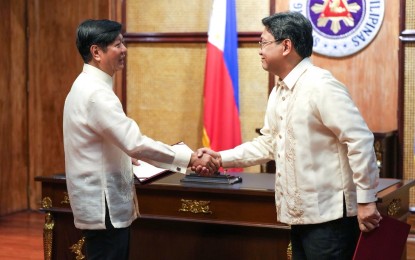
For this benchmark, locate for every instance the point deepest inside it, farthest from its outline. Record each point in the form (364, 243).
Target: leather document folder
(385, 242)
(218, 178)
(147, 173)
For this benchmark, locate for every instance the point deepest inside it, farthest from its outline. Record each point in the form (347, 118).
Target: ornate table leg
(48, 229)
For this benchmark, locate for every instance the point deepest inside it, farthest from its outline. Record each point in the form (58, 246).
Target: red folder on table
(385, 242)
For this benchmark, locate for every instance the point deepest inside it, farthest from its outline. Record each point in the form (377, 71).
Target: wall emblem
(341, 27)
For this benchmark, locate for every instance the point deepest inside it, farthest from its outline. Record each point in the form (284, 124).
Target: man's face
(113, 59)
(270, 52)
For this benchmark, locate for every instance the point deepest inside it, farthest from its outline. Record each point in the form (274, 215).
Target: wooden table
(198, 221)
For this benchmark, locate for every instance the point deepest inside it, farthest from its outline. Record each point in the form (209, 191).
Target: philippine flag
(222, 128)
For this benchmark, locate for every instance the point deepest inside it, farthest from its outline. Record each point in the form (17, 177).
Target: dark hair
(293, 26)
(95, 32)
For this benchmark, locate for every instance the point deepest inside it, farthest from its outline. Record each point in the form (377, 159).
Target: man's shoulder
(317, 72)
(318, 76)
(86, 85)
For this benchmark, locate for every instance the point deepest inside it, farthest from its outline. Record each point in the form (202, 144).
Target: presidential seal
(341, 27)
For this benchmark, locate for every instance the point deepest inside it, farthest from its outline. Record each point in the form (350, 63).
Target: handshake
(205, 161)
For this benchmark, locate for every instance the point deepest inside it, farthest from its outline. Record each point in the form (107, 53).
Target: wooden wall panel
(409, 116)
(13, 108)
(164, 93)
(188, 15)
(407, 105)
(163, 16)
(54, 63)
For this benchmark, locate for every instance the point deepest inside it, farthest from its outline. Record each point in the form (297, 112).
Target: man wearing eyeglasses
(326, 171)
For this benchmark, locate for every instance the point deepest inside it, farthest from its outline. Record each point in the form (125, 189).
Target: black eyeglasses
(265, 43)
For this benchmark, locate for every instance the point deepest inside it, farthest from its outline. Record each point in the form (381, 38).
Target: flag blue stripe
(230, 50)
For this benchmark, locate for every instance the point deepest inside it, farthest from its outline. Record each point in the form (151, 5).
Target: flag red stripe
(221, 117)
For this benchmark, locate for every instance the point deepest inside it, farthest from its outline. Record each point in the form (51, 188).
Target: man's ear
(95, 51)
(287, 46)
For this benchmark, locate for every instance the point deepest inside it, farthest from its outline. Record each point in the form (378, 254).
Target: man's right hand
(203, 152)
(204, 163)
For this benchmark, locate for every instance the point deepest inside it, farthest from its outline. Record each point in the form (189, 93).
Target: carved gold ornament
(77, 249)
(65, 198)
(48, 235)
(289, 251)
(394, 207)
(46, 203)
(195, 206)
(378, 152)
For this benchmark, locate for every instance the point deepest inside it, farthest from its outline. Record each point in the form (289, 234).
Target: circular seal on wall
(341, 27)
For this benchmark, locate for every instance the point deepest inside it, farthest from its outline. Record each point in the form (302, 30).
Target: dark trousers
(107, 244)
(333, 240)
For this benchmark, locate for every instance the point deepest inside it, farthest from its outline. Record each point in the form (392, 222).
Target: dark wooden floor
(21, 236)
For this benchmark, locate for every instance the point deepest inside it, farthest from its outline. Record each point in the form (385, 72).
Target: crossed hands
(205, 162)
(368, 216)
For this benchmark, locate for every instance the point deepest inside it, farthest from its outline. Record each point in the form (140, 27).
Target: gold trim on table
(195, 206)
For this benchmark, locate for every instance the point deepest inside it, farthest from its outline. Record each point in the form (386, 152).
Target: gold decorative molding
(195, 206)
(46, 203)
(378, 151)
(48, 235)
(77, 249)
(65, 198)
(289, 251)
(394, 207)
